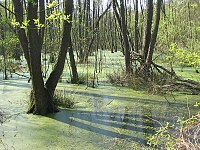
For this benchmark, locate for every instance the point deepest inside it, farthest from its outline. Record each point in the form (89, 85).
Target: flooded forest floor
(105, 117)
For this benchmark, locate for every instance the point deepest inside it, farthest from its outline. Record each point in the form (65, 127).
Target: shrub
(122, 79)
(63, 99)
(153, 85)
(84, 78)
(183, 135)
(184, 57)
(88, 79)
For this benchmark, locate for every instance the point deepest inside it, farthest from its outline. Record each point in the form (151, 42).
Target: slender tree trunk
(73, 64)
(18, 8)
(4, 63)
(65, 44)
(115, 33)
(144, 70)
(5, 76)
(87, 27)
(154, 34)
(81, 53)
(123, 26)
(136, 28)
(148, 30)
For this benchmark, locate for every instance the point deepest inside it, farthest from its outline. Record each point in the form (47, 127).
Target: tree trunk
(74, 78)
(42, 20)
(65, 44)
(87, 27)
(41, 100)
(144, 70)
(148, 30)
(136, 27)
(18, 8)
(5, 76)
(123, 26)
(81, 53)
(154, 34)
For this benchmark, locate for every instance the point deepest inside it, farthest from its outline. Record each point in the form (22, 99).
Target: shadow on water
(93, 121)
(12, 83)
(122, 98)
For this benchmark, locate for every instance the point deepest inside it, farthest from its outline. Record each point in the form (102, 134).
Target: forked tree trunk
(150, 39)
(41, 100)
(41, 94)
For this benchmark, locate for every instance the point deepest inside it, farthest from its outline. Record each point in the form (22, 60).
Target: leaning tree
(31, 41)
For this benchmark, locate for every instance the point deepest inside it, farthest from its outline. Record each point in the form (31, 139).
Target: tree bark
(80, 16)
(148, 30)
(74, 78)
(42, 19)
(123, 26)
(65, 44)
(18, 8)
(136, 28)
(154, 34)
(144, 69)
(41, 100)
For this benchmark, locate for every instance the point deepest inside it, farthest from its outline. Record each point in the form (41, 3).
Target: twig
(21, 75)
(96, 26)
(7, 9)
(155, 121)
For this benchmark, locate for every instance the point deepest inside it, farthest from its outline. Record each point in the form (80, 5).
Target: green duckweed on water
(105, 117)
(123, 75)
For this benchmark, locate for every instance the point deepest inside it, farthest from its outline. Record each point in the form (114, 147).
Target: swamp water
(105, 117)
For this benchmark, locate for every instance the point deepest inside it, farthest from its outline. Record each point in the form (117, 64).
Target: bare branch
(7, 9)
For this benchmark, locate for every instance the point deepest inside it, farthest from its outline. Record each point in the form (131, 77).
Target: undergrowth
(120, 144)
(88, 79)
(157, 84)
(83, 78)
(185, 134)
(63, 99)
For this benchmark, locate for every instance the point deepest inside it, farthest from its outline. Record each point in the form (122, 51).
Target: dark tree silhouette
(42, 93)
